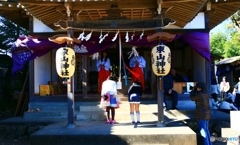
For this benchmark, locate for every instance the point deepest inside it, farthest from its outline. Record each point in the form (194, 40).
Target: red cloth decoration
(137, 74)
(102, 76)
(138, 70)
(132, 72)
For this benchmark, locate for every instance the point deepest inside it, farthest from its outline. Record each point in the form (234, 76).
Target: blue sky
(221, 27)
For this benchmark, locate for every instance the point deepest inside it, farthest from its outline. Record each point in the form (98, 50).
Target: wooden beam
(182, 31)
(99, 14)
(6, 8)
(89, 15)
(43, 14)
(222, 2)
(115, 24)
(42, 3)
(131, 14)
(41, 11)
(33, 8)
(143, 12)
(179, 1)
(9, 6)
(103, 5)
(46, 35)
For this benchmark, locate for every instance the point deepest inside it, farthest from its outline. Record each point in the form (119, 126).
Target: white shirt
(224, 86)
(109, 86)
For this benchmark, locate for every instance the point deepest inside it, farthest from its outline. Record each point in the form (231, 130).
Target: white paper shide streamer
(115, 37)
(141, 35)
(88, 36)
(95, 56)
(81, 36)
(132, 36)
(127, 37)
(103, 37)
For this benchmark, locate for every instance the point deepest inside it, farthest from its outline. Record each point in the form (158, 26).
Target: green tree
(226, 43)
(236, 21)
(217, 42)
(9, 33)
(232, 46)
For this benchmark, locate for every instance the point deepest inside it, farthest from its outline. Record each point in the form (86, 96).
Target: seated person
(176, 77)
(230, 97)
(168, 90)
(226, 106)
(224, 88)
(215, 89)
(236, 93)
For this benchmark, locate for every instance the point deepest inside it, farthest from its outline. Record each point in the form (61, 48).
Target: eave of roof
(228, 60)
(183, 11)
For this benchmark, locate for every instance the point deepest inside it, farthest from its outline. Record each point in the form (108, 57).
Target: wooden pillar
(84, 75)
(160, 87)
(153, 84)
(70, 81)
(207, 63)
(31, 64)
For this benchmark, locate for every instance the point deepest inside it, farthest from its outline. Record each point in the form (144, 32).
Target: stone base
(92, 133)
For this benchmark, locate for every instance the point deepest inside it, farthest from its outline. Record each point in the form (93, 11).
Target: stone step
(58, 106)
(46, 114)
(94, 106)
(88, 116)
(123, 107)
(100, 115)
(125, 115)
(47, 106)
(59, 109)
(122, 133)
(119, 116)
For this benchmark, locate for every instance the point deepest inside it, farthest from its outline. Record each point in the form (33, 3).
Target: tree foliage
(217, 42)
(227, 43)
(236, 20)
(232, 46)
(9, 33)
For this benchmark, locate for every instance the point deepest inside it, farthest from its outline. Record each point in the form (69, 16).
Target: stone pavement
(97, 132)
(122, 133)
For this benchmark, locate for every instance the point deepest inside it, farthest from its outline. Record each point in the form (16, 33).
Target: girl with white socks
(134, 94)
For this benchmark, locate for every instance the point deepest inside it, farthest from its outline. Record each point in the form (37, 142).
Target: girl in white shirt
(109, 92)
(224, 88)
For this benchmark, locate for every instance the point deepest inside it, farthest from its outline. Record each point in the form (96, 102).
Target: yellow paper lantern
(65, 62)
(161, 60)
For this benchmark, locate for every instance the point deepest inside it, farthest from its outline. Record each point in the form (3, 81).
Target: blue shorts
(134, 98)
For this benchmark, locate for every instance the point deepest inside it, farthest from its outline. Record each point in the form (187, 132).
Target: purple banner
(27, 48)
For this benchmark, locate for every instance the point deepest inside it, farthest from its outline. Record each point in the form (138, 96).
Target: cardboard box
(44, 90)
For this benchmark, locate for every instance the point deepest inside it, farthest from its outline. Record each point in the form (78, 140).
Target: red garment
(138, 70)
(102, 76)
